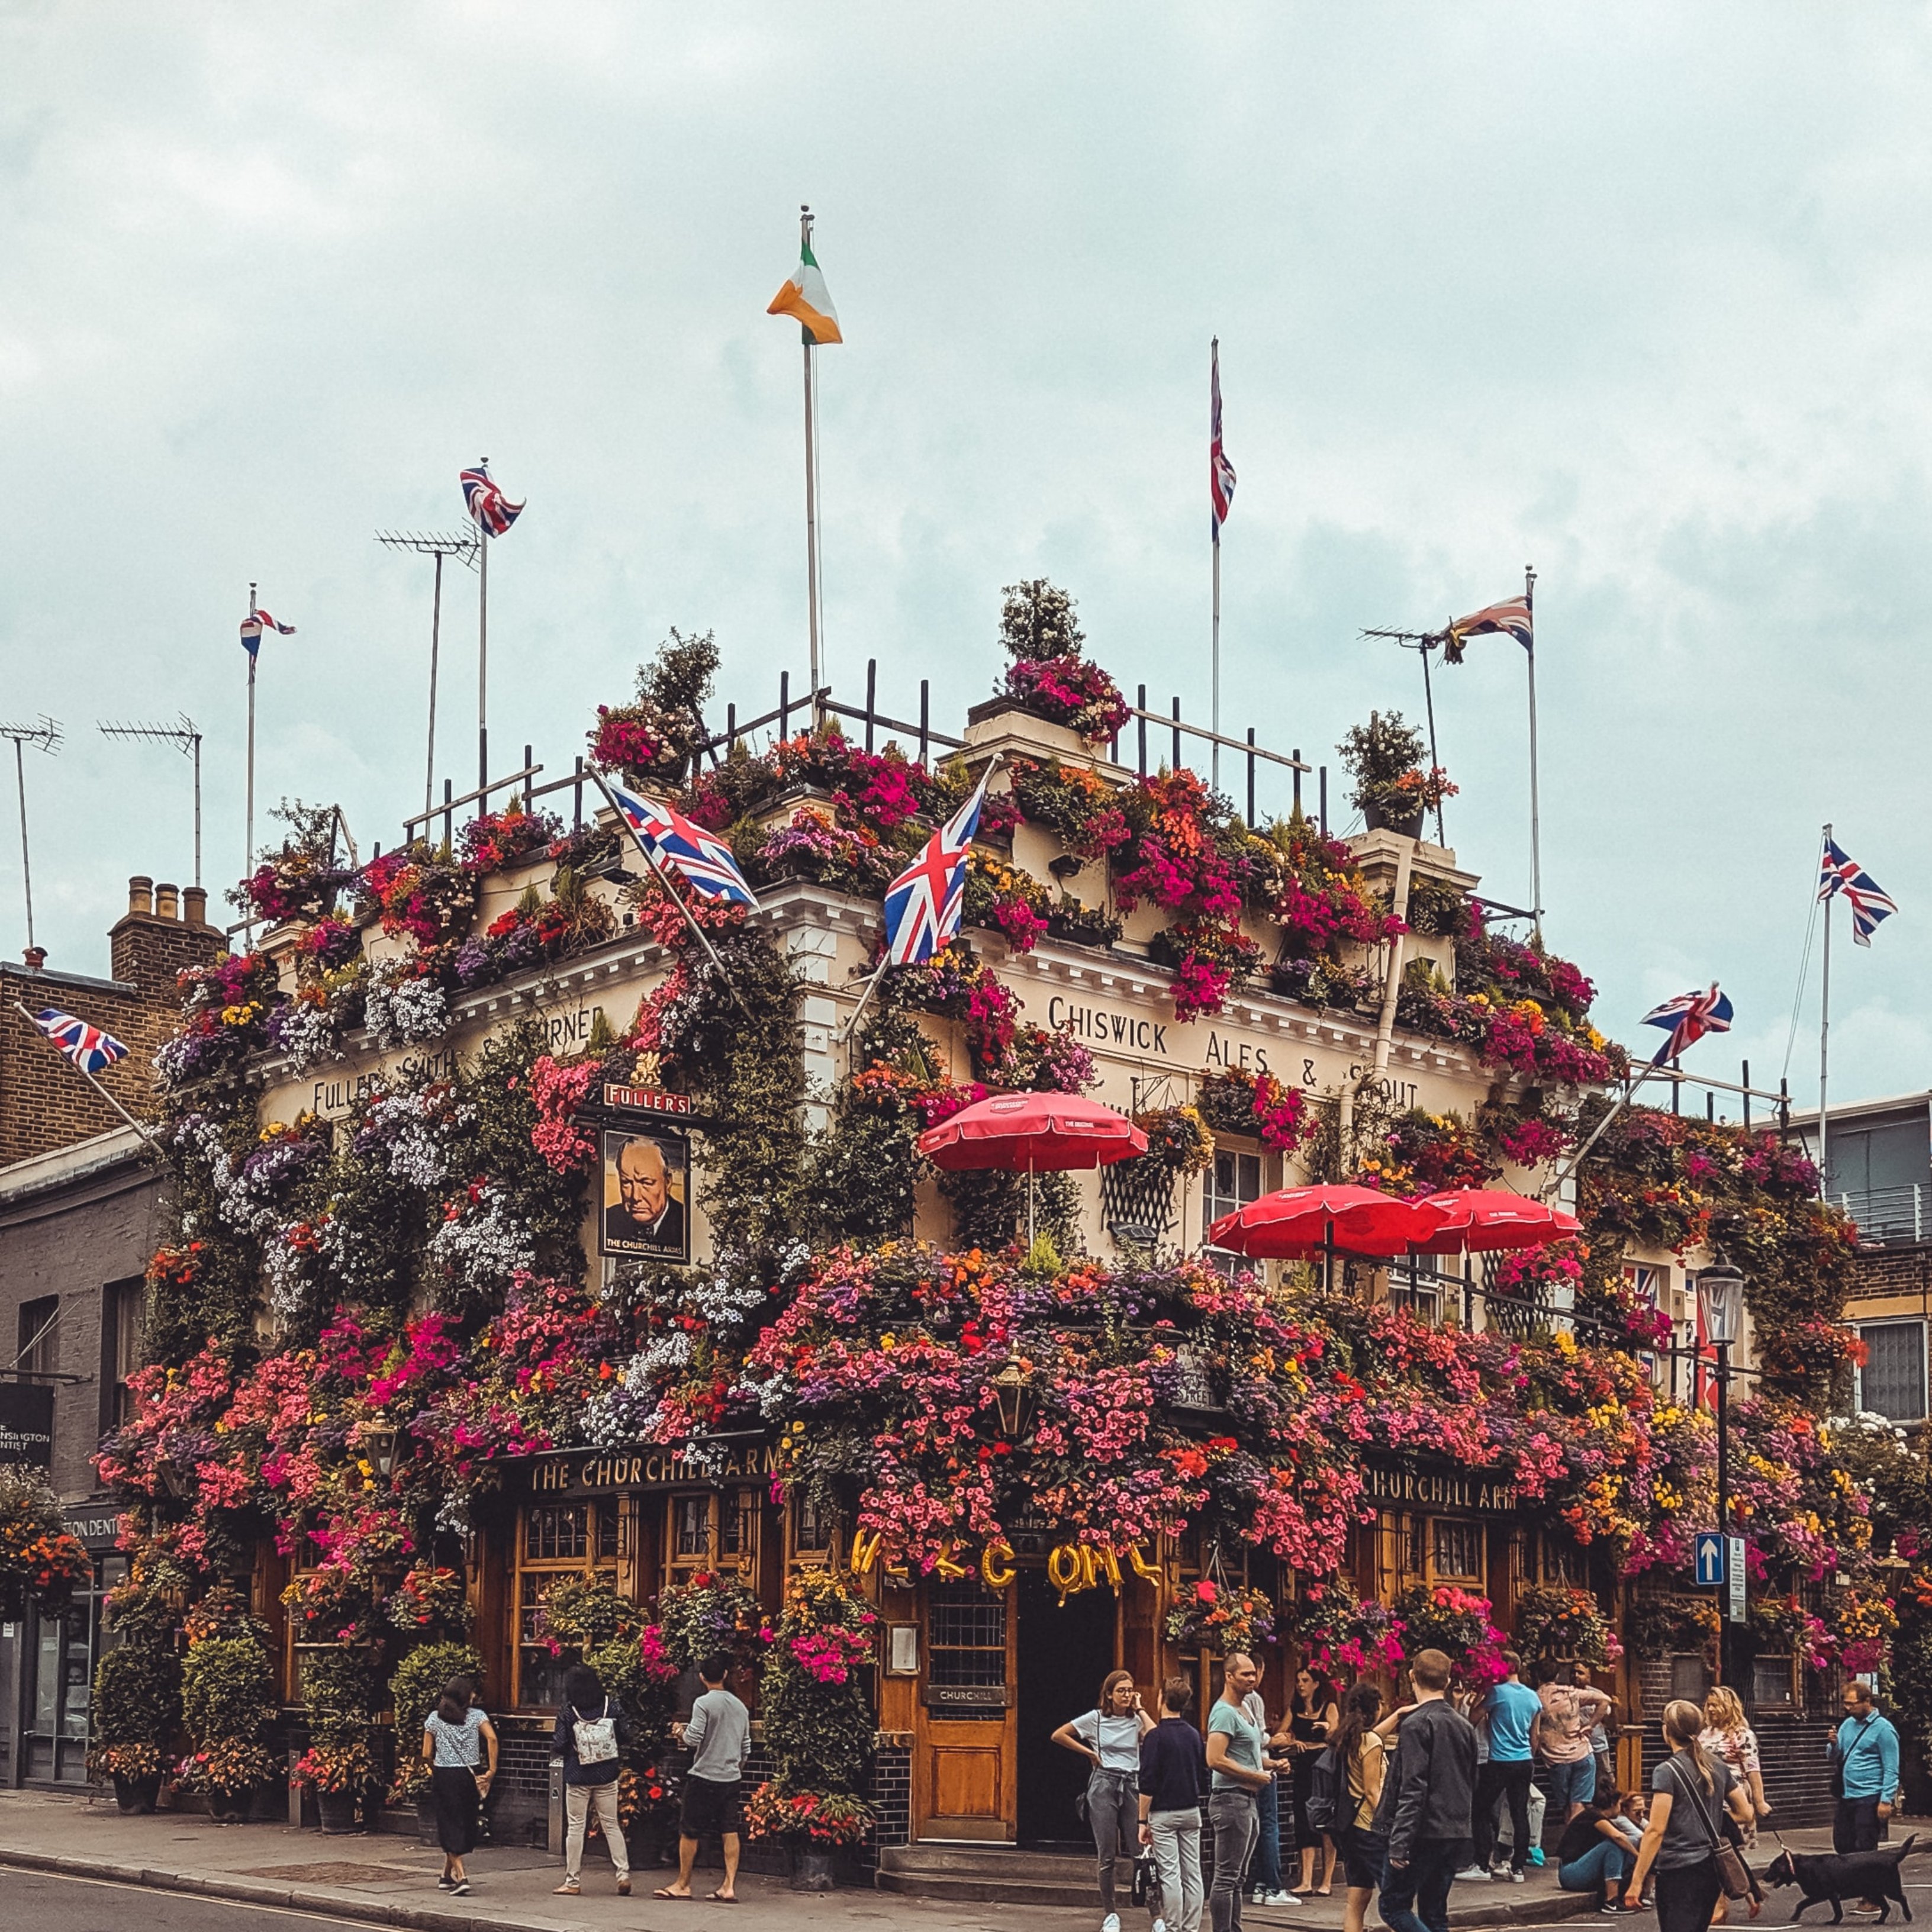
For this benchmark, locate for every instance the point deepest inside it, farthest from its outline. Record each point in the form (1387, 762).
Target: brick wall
(1892, 1271)
(44, 1103)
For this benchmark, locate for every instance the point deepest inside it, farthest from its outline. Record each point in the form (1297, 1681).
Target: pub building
(975, 1670)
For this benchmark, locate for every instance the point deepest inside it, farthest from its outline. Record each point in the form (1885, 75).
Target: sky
(1636, 296)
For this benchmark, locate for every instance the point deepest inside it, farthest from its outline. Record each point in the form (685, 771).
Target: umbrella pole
(1029, 1206)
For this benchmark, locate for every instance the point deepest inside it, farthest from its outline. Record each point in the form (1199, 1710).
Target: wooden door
(963, 1782)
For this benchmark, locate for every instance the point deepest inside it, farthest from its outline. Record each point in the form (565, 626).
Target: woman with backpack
(1361, 1761)
(1690, 1791)
(460, 1747)
(593, 1739)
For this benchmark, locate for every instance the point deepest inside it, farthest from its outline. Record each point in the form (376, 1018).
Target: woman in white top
(1110, 1736)
(460, 1747)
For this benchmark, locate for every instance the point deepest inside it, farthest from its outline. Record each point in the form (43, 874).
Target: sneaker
(1609, 1908)
(445, 1883)
(1160, 1925)
(1278, 1898)
(1473, 1872)
(1111, 1923)
(460, 1889)
(1536, 1854)
(570, 1888)
(1516, 1876)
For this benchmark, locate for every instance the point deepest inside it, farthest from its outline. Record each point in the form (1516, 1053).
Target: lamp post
(1720, 1301)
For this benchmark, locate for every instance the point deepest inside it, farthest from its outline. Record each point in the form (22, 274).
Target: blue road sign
(1709, 1559)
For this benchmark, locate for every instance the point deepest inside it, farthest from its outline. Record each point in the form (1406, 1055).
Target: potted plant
(415, 1686)
(1221, 1617)
(1393, 788)
(136, 1707)
(1048, 675)
(1441, 1617)
(813, 1826)
(1553, 1620)
(338, 1766)
(40, 1562)
(226, 1691)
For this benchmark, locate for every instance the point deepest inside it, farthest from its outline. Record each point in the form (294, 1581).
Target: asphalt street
(47, 1902)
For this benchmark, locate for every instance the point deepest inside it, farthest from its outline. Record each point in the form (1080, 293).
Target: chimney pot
(194, 904)
(166, 904)
(140, 893)
(36, 957)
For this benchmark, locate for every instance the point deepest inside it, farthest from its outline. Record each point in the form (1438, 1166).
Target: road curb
(273, 1897)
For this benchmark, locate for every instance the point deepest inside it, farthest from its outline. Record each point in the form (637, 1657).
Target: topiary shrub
(137, 1708)
(227, 1691)
(415, 1685)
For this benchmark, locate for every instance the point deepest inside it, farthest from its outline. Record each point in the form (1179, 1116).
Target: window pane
(35, 1347)
(690, 1517)
(1458, 1548)
(965, 1634)
(1892, 1382)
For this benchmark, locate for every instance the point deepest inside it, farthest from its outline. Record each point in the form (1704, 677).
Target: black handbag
(1147, 1885)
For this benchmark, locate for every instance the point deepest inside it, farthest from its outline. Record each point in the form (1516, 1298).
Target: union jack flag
(1688, 1017)
(1512, 618)
(257, 621)
(1839, 873)
(670, 838)
(1220, 471)
(487, 504)
(923, 903)
(90, 1049)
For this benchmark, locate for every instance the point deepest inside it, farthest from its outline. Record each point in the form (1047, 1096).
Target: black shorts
(710, 1809)
(1364, 1858)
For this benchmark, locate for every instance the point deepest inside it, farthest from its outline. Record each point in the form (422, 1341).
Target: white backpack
(596, 1738)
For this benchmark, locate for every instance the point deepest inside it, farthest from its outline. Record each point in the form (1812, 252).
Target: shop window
(812, 1529)
(558, 1540)
(35, 1350)
(1233, 1181)
(1419, 1290)
(1458, 1549)
(1892, 1381)
(1561, 1562)
(709, 1529)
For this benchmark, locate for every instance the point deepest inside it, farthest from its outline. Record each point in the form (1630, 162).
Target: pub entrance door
(962, 1780)
(1065, 1649)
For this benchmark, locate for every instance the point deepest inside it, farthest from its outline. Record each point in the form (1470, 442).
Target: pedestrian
(1689, 1792)
(1428, 1801)
(1263, 1881)
(1173, 1775)
(1563, 1737)
(1600, 1732)
(718, 1735)
(460, 1747)
(1361, 1763)
(1241, 1770)
(1513, 1710)
(1595, 1853)
(1312, 1719)
(1728, 1734)
(1109, 1737)
(592, 1737)
(1863, 1749)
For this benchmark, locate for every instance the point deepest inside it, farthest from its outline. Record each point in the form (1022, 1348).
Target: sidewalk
(392, 1881)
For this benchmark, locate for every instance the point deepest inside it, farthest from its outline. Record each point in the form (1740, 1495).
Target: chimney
(194, 905)
(36, 957)
(140, 893)
(166, 906)
(152, 940)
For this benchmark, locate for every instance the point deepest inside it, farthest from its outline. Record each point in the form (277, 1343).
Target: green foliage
(680, 677)
(137, 1696)
(647, 1700)
(817, 1719)
(214, 1293)
(1037, 622)
(710, 1613)
(585, 1613)
(338, 1680)
(866, 1169)
(1379, 752)
(989, 1208)
(227, 1691)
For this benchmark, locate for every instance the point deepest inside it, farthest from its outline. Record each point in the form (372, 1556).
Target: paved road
(47, 1902)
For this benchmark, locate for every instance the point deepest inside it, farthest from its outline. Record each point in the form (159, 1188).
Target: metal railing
(1886, 1215)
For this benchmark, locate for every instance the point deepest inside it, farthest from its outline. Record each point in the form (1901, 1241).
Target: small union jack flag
(670, 838)
(1688, 1017)
(923, 903)
(90, 1049)
(257, 621)
(1220, 471)
(1512, 618)
(489, 508)
(1839, 873)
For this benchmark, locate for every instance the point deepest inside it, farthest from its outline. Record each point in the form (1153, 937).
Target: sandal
(681, 1898)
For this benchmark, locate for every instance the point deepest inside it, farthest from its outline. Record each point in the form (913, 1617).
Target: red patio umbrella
(1027, 1133)
(1484, 1220)
(1295, 1222)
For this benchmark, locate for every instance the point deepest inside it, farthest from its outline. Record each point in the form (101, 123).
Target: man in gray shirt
(718, 1735)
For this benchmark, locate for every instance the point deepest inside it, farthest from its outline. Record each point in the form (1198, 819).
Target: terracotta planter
(137, 1794)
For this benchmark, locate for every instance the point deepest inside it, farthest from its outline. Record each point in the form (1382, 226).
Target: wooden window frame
(594, 1560)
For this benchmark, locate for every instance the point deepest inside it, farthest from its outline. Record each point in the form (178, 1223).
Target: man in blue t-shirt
(1511, 1709)
(1864, 1748)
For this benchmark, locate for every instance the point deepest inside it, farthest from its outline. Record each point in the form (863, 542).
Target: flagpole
(145, 1133)
(483, 662)
(1214, 353)
(1825, 1044)
(1535, 822)
(810, 483)
(248, 849)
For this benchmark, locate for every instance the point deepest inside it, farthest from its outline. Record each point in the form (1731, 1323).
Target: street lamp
(1721, 1301)
(1013, 1396)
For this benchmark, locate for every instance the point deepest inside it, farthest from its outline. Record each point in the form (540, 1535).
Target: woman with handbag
(460, 1747)
(593, 1739)
(1109, 1736)
(1690, 1790)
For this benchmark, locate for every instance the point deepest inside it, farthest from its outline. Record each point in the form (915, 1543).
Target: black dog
(1823, 1875)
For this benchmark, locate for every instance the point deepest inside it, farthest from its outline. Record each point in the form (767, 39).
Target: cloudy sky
(1636, 295)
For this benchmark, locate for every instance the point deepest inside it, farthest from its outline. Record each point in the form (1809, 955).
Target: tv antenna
(1422, 642)
(465, 546)
(185, 735)
(45, 737)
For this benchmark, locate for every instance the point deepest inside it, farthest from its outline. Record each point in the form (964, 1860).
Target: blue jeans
(1415, 1896)
(1573, 1784)
(1264, 1868)
(1603, 1863)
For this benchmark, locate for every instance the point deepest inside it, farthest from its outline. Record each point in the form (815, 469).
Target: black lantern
(1012, 1392)
(380, 1442)
(1720, 1298)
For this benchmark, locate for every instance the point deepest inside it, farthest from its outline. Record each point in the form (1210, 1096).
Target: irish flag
(806, 297)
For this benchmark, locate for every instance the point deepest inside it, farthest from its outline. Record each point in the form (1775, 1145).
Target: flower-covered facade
(536, 1234)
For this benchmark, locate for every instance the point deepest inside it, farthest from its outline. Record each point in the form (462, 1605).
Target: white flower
(485, 1244)
(400, 1011)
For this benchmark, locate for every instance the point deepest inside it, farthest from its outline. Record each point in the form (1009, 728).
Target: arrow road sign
(1709, 1560)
